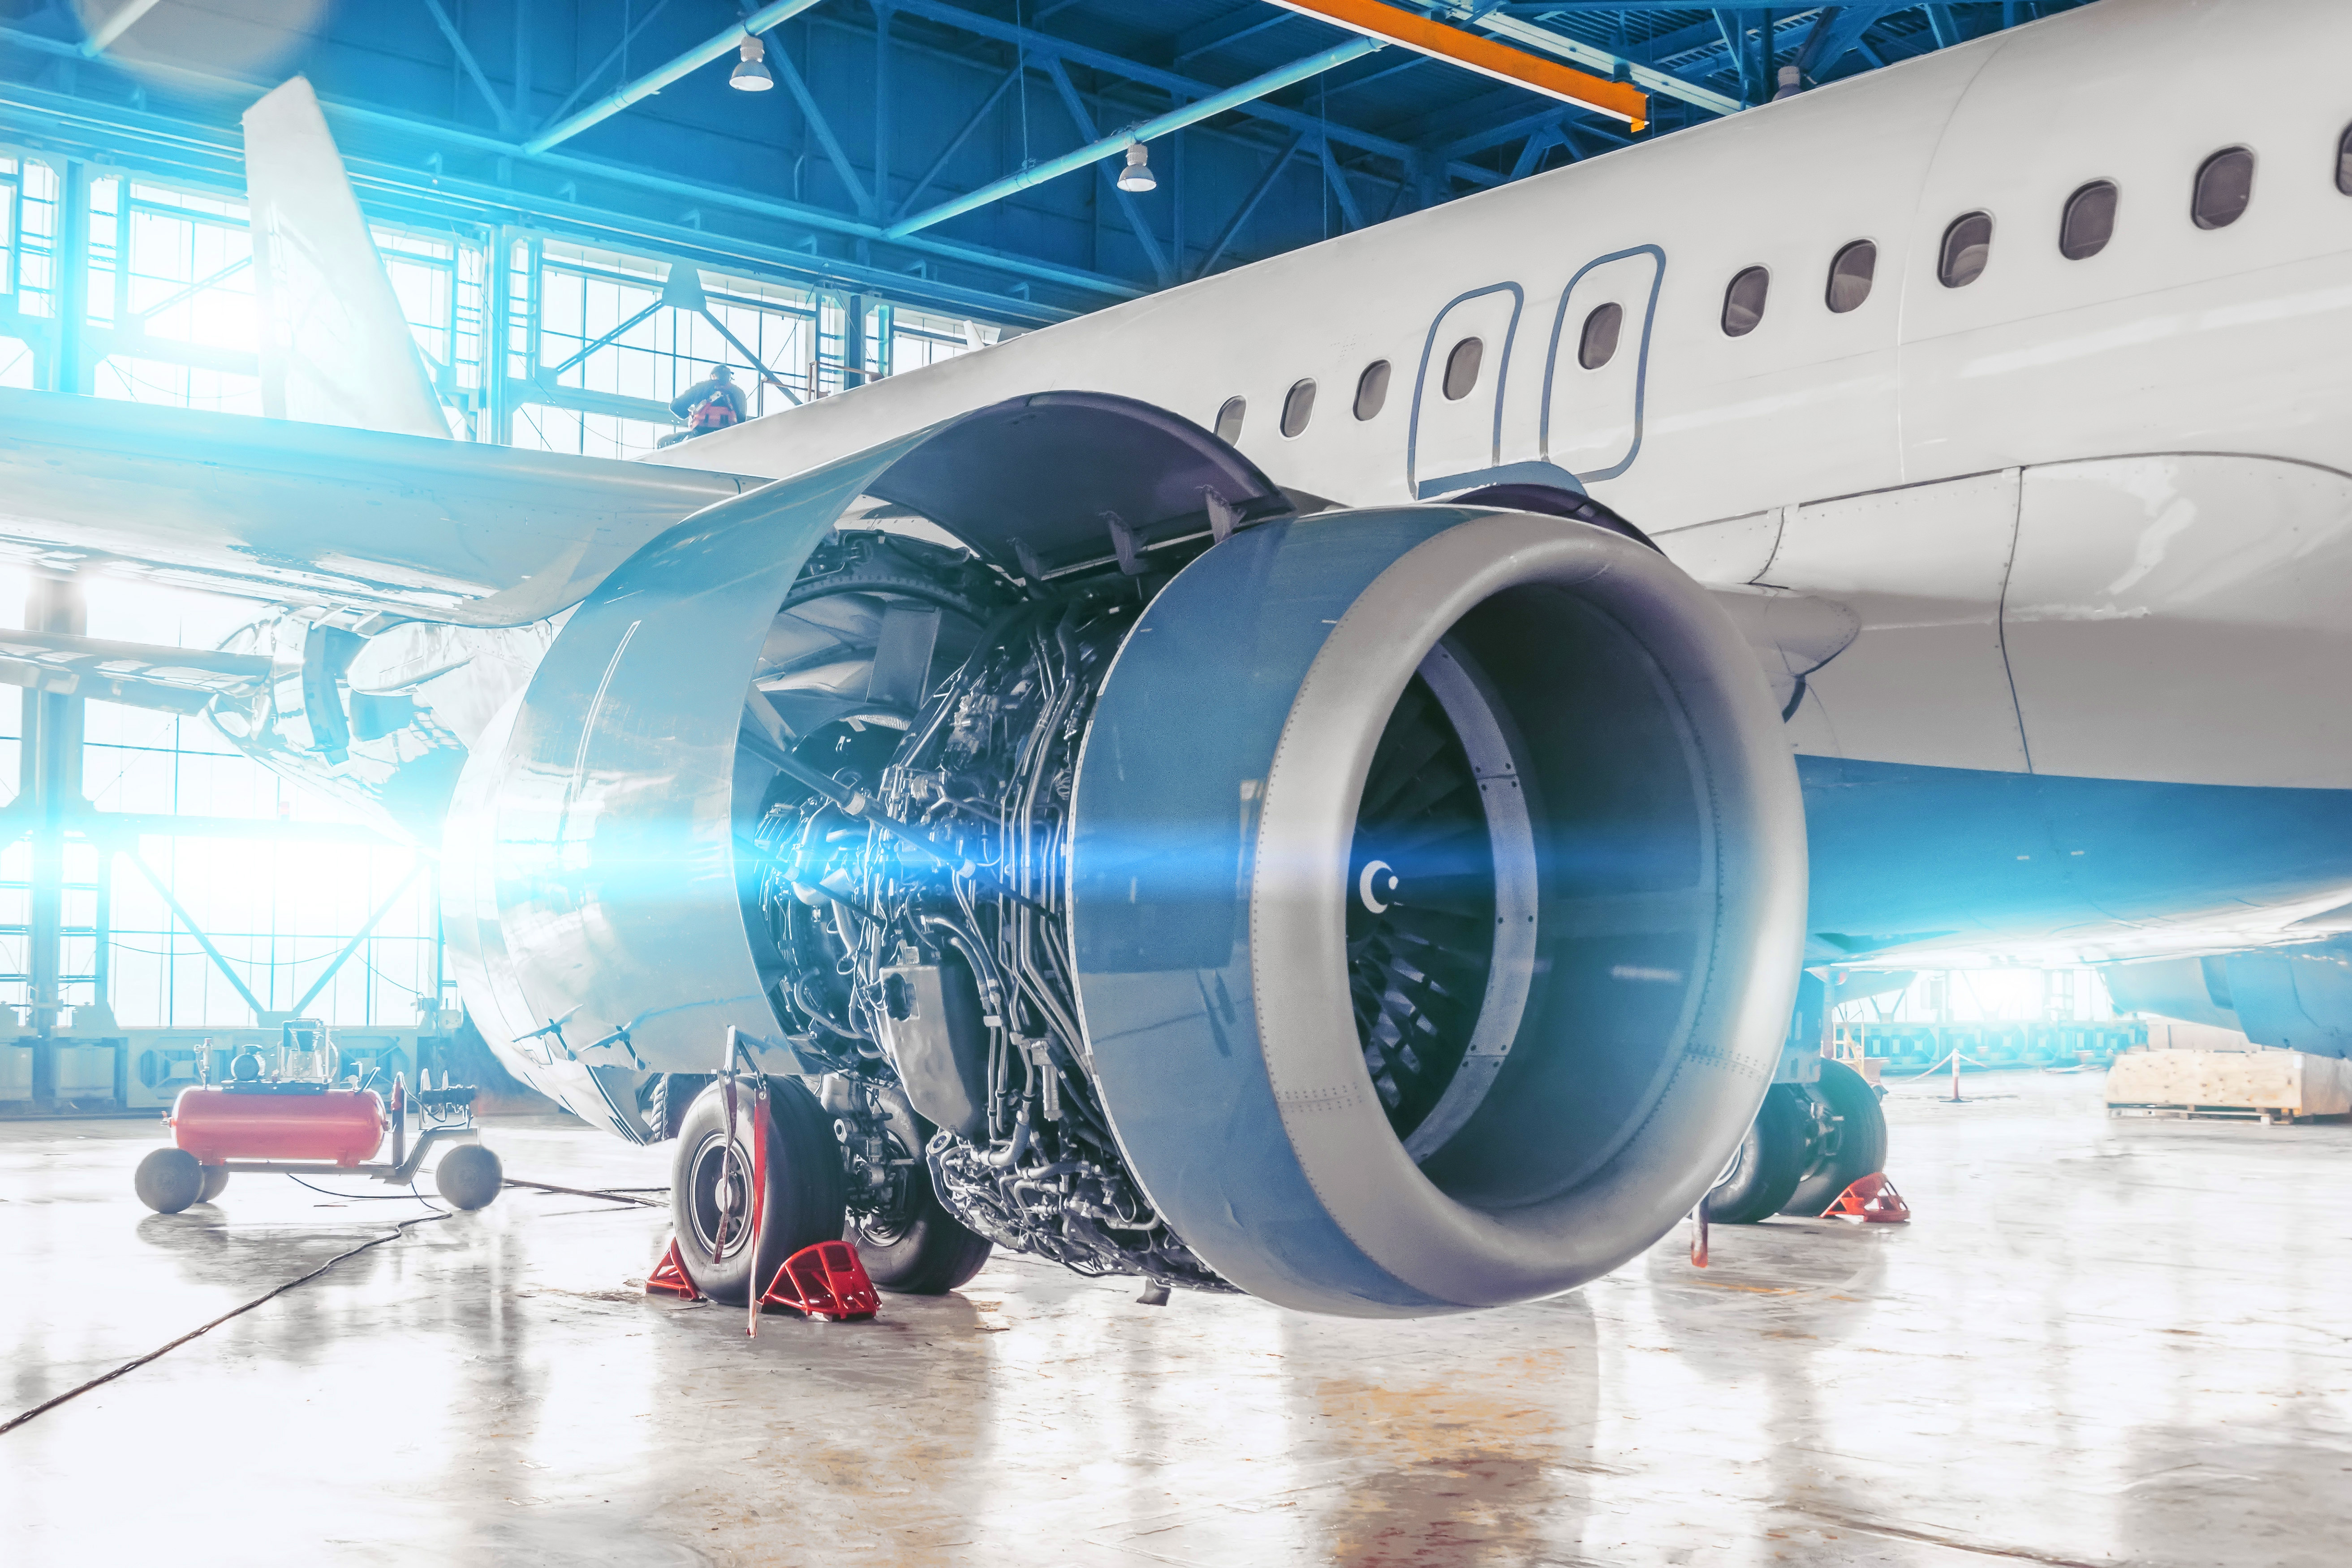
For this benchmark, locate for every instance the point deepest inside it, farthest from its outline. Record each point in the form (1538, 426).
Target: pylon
(669, 1276)
(1870, 1200)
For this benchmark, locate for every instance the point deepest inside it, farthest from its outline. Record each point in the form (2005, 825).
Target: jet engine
(1383, 912)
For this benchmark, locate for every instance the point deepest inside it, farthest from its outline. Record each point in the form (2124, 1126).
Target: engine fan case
(1210, 878)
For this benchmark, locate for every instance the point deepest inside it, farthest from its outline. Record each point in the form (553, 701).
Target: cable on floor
(395, 1234)
(611, 1194)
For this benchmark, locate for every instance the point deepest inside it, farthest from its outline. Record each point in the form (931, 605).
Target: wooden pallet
(2266, 1085)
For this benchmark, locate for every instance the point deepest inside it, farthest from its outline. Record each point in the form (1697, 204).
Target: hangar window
(1372, 389)
(1968, 245)
(1598, 346)
(2089, 221)
(1298, 408)
(1229, 418)
(1850, 272)
(2225, 184)
(1461, 368)
(1743, 302)
(2343, 162)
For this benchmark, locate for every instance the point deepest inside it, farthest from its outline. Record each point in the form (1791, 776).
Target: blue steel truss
(928, 154)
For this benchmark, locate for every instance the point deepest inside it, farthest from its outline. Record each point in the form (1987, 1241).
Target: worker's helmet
(724, 372)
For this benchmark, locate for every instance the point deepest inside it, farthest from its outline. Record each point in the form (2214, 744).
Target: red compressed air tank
(342, 1126)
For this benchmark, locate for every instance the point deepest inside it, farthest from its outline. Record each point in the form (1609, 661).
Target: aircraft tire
(1861, 1140)
(930, 1256)
(168, 1180)
(215, 1182)
(805, 1187)
(1769, 1163)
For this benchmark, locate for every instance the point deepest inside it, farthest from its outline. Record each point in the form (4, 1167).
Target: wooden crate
(2263, 1085)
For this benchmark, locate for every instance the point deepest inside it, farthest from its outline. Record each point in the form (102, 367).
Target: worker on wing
(711, 404)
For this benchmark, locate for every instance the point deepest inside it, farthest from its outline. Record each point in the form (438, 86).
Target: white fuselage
(2093, 516)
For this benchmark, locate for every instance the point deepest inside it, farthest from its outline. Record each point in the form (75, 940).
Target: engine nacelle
(1381, 912)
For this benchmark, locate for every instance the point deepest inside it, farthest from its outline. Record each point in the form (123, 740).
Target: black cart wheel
(468, 1177)
(215, 1182)
(928, 1254)
(168, 1180)
(710, 1187)
(1770, 1162)
(1860, 1147)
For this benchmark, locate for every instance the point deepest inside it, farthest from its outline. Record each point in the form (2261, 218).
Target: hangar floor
(2099, 1342)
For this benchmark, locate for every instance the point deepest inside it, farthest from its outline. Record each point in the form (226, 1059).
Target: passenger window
(1598, 346)
(1229, 419)
(2343, 162)
(1372, 389)
(1968, 245)
(2089, 221)
(1461, 368)
(1743, 302)
(1298, 408)
(2225, 184)
(1851, 271)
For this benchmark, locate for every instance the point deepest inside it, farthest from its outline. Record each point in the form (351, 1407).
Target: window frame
(1869, 284)
(2197, 185)
(2066, 216)
(1374, 390)
(1730, 291)
(1944, 268)
(1303, 387)
(1476, 348)
(1584, 335)
(1237, 406)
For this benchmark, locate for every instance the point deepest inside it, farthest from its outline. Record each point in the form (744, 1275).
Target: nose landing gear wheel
(710, 1188)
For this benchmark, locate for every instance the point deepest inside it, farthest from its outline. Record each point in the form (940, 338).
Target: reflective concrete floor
(2099, 1342)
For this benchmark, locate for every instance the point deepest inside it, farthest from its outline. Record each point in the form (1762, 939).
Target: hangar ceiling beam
(1120, 142)
(713, 47)
(1040, 45)
(125, 17)
(1136, 222)
(1410, 29)
(471, 67)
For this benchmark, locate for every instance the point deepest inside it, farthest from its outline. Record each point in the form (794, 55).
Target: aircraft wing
(418, 527)
(178, 679)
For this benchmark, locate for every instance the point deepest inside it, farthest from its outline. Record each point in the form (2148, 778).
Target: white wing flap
(307, 514)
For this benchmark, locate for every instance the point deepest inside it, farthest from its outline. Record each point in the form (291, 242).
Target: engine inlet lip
(1371, 1187)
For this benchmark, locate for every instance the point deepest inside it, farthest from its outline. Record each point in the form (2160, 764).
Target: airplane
(1341, 781)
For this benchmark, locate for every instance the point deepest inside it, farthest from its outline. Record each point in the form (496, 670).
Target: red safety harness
(713, 413)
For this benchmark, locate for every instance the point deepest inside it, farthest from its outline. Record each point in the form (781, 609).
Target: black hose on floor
(395, 1234)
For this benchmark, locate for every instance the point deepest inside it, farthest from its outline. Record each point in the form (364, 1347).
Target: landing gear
(710, 1187)
(1809, 1142)
(928, 1254)
(1769, 1163)
(1849, 1140)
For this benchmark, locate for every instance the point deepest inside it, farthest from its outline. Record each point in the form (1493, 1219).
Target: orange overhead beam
(1414, 31)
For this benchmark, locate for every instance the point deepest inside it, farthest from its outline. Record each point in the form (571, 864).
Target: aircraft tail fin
(335, 348)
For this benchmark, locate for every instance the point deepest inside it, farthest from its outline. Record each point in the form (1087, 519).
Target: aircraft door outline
(1480, 470)
(1640, 363)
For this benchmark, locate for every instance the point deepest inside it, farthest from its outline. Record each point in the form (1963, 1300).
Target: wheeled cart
(291, 1120)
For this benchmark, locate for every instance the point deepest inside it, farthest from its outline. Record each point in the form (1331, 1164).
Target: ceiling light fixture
(1136, 175)
(752, 73)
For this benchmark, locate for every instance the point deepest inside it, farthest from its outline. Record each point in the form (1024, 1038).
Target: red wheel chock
(669, 1276)
(1871, 1200)
(825, 1281)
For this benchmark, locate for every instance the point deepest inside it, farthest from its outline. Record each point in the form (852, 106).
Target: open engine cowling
(1383, 912)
